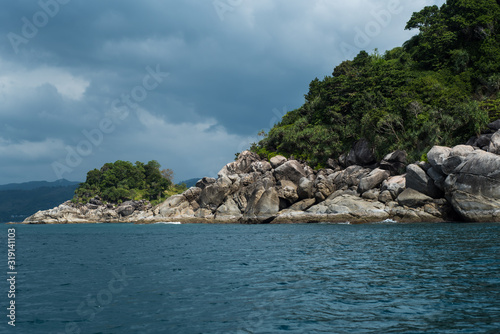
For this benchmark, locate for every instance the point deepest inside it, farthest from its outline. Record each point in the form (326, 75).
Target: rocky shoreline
(456, 184)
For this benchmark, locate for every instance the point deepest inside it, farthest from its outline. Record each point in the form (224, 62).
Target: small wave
(169, 223)
(388, 221)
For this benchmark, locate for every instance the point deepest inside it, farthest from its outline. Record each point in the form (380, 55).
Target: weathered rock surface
(494, 146)
(495, 126)
(291, 170)
(204, 182)
(395, 185)
(349, 208)
(463, 180)
(305, 188)
(413, 198)
(473, 187)
(277, 161)
(437, 155)
(417, 178)
(394, 162)
(361, 154)
(372, 180)
(229, 211)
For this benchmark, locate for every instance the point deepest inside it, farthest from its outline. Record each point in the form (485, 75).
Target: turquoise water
(317, 278)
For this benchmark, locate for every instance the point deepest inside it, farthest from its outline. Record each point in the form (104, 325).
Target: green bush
(441, 87)
(121, 181)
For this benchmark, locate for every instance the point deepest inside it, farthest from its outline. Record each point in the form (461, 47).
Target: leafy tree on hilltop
(122, 180)
(440, 87)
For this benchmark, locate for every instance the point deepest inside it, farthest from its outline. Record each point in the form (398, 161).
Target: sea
(299, 278)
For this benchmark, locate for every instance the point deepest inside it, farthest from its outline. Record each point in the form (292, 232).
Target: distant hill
(20, 200)
(38, 184)
(190, 183)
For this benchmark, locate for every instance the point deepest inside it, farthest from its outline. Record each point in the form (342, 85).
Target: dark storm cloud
(233, 66)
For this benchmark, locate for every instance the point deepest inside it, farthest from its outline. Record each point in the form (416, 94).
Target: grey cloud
(226, 76)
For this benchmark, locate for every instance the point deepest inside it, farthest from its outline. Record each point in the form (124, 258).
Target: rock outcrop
(251, 190)
(462, 182)
(473, 186)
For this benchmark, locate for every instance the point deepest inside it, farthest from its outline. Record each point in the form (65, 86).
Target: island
(411, 135)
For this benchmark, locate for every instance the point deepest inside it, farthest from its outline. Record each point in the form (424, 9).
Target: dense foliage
(122, 180)
(441, 87)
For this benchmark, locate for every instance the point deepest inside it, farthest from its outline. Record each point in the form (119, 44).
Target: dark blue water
(375, 278)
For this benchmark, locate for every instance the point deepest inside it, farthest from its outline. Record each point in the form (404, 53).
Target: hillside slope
(440, 88)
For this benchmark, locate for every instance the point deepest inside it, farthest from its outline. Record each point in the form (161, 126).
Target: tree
(168, 174)
(121, 180)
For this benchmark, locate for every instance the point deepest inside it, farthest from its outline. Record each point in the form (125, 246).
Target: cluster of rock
(462, 182)
(93, 212)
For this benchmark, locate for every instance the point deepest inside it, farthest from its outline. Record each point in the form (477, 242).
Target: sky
(187, 83)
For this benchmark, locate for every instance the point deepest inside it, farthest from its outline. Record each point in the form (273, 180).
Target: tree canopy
(441, 87)
(122, 180)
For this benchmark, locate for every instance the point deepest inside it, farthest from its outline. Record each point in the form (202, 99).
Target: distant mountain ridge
(38, 184)
(20, 200)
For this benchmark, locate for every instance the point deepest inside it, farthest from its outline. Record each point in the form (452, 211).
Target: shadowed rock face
(419, 180)
(362, 154)
(463, 179)
(473, 186)
(394, 162)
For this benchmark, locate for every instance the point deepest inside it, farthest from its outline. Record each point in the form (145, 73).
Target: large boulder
(385, 196)
(333, 164)
(451, 164)
(66, 212)
(242, 165)
(417, 179)
(412, 198)
(260, 167)
(305, 188)
(287, 190)
(394, 162)
(205, 182)
(461, 150)
(125, 209)
(277, 161)
(228, 211)
(324, 187)
(473, 188)
(291, 170)
(457, 155)
(372, 180)
(395, 185)
(372, 194)
(494, 146)
(303, 205)
(350, 176)
(175, 206)
(192, 194)
(437, 155)
(348, 207)
(481, 141)
(263, 206)
(361, 154)
(494, 126)
(484, 140)
(437, 176)
(213, 196)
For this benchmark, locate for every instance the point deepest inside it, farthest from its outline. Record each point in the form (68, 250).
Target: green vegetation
(122, 181)
(440, 88)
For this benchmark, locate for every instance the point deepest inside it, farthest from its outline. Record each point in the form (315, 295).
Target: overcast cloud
(188, 83)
